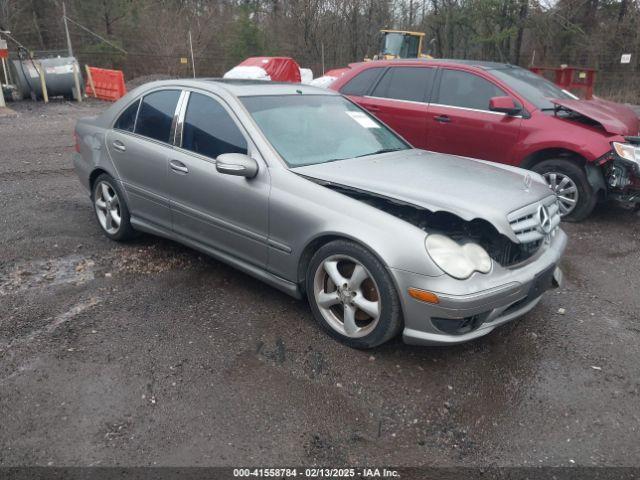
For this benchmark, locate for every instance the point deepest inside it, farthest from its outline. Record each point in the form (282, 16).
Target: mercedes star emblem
(544, 219)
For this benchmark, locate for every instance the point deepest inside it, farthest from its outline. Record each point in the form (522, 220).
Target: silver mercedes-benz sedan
(306, 191)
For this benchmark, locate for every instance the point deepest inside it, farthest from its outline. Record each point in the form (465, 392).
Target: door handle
(177, 166)
(442, 119)
(118, 145)
(371, 108)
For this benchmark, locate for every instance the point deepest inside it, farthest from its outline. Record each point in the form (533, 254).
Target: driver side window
(209, 130)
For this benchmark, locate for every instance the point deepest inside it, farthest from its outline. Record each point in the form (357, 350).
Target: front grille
(526, 223)
(514, 253)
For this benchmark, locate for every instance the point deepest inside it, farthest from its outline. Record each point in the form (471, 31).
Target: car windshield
(535, 88)
(312, 129)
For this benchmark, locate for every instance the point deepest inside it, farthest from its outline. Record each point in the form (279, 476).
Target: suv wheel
(352, 295)
(568, 181)
(111, 209)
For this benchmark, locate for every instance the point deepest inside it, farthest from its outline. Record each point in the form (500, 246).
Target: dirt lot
(149, 353)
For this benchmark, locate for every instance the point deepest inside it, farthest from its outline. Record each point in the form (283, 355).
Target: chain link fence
(614, 80)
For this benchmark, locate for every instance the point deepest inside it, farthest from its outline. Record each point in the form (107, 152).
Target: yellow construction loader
(400, 44)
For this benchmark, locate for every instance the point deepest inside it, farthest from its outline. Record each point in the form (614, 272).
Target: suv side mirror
(504, 105)
(237, 164)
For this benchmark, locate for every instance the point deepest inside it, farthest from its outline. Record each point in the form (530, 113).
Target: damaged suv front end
(621, 170)
(607, 136)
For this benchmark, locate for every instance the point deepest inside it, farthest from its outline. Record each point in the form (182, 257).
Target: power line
(95, 34)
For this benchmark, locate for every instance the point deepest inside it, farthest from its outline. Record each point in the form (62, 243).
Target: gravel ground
(149, 353)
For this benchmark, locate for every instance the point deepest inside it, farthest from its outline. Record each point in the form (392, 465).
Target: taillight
(76, 137)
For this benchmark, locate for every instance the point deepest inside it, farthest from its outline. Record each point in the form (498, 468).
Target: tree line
(333, 33)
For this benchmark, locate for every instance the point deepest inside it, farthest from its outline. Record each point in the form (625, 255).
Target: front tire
(352, 295)
(111, 209)
(569, 182)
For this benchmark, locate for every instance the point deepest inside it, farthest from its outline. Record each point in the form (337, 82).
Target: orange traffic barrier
(105, 84)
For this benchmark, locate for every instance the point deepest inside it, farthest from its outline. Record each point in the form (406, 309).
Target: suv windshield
(538, 90)
(312, 129)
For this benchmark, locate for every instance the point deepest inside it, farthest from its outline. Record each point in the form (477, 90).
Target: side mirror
(237, 164)
(504, 105)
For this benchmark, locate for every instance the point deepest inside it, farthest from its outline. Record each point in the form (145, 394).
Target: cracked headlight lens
(458, 261)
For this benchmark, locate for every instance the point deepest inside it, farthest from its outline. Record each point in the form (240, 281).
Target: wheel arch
(538, 156)
(321, 240)
(94, 176)
(96, 172)
(594, 173)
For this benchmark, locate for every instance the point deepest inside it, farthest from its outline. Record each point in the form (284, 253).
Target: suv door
(461, 123)
(225, 212)
(400, 99)
(139, 145)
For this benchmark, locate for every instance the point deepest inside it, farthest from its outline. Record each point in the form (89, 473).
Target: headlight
(627, 151)
(459, 261)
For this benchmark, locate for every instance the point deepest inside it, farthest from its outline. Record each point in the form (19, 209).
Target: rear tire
(352, 296)
(569, 181)
(111, 209)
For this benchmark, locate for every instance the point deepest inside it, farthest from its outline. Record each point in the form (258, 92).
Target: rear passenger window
(156, 114)
(209, 130)
(462, 89)
(361, 84)
(406, 83)
(127, 120)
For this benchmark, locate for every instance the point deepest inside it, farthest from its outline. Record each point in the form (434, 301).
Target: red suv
(586, 150)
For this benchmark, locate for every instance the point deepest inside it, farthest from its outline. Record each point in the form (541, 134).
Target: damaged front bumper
(621, 170)
(468, 309)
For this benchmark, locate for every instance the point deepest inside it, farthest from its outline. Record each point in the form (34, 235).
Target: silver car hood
(466, 187)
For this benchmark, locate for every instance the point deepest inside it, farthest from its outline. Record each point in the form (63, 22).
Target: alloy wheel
(347, 296)
(108, 208)
(565, 189)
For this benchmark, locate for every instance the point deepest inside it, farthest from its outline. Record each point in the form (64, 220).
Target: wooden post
(90, 80)
(43, 82)
(2, 104)
(4, 69)
(193, 62)
(76, 74)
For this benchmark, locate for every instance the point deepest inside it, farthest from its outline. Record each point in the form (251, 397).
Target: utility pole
(193, 63)
(66, 29)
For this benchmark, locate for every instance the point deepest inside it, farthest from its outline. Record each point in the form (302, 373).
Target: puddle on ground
(74, 269)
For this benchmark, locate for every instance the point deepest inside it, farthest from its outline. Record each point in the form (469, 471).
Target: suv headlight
(627, 151)
(458, 261)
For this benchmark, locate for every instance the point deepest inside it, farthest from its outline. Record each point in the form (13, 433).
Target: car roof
(243, 88)
(482, 64)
